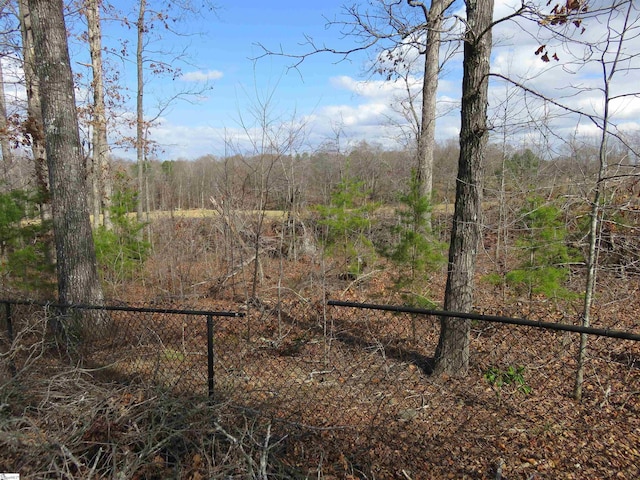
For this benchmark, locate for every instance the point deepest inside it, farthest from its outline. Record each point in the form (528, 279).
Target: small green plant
(544, 251)
(347, 223)
(512, 377)
(173, 355)
(415, 251)
(24, 240)
(416, 247)
(121, 251)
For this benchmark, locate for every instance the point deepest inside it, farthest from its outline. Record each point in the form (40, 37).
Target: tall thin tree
(427, 131)
(140, 127)
(614, 57)
(7, 154)
(33, 124)
(101, 178)
(452, 353)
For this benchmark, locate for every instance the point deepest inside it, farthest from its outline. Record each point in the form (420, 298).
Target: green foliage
(420, 301)
(167, 167)
(24, 262)
(523, 164)
(493, 278)
(12, 212)
(416, 248)
(545, 253)
(347, 222)
(121, 251)
(512, 377)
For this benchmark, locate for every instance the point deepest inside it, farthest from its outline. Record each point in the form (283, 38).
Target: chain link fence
(322, 367)
(167, 348)
(358, 378)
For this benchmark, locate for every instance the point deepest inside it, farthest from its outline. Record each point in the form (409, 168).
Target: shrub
(121, 251)
(347, 222)
(25, 262)
(416, 247)
(544, 253)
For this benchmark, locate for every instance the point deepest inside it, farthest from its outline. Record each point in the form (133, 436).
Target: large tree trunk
(452, 353)
(101, 166)
(78, 280)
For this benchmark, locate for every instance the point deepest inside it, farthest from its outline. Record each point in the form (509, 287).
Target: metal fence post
(210, 359)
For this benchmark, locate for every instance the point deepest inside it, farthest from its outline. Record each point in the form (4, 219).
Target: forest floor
(309, 391)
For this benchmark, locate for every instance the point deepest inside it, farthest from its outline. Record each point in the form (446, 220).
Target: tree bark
(78, 280)
(427, 132)
(140, 137)
(33, 125)
(7, 154)
(101, 165)
(452, 353)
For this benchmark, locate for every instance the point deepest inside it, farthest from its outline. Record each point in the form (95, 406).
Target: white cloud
(372, 112)
(202, 76)
(374, 89)
(575, 79)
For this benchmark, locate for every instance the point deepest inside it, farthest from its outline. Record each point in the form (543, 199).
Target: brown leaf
(574, 5)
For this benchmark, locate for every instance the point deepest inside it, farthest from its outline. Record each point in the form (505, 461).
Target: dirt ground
(332, 392)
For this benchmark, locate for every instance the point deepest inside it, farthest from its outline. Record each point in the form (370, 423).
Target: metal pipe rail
(209, 315)
(602, 332)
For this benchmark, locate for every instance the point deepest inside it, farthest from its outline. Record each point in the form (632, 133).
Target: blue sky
(223, 45)
(324, 93)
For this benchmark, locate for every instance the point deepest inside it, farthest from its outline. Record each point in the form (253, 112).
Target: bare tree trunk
(427, 132)
(140, 130)
(452, 353)
(101, 165)
(7, 154)
(33, 125)
(609, 69)
(78, 280)
(94, 182)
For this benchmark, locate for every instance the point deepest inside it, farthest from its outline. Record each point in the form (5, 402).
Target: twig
(264, 456)
(220, 429)
(360, 279)
(499, 469)
(69, 454)
(95, 463)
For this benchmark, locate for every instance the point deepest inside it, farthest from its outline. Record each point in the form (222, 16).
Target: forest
(510, 218)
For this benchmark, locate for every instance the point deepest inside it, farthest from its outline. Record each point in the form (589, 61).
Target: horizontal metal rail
(112, 308)
(602, 332)
(209, 315)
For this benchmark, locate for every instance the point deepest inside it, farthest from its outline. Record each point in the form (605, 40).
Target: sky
(327, 100)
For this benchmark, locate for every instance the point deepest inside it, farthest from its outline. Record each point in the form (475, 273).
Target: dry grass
(306, 391)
